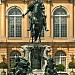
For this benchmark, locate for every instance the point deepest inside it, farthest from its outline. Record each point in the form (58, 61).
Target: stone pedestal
(36, 52)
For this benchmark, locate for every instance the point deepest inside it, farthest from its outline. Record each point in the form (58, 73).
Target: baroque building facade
(60, 22)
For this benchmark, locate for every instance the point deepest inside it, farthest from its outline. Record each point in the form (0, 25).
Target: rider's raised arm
(30, 8)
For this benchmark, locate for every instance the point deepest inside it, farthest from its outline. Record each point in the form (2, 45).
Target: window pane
(56, 26)
(63, 27)
(63, 61)
(18, 26)
(57, 60)
(11, 26)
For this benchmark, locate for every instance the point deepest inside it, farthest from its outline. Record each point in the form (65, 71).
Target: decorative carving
(25, 1)
(26, 51)
(48, 1)
(47, 49)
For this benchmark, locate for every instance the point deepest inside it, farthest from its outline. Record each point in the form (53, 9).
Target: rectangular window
(14, 26)
(60, 26)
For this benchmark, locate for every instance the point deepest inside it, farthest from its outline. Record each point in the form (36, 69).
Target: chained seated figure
(22, 66)
(50, 68)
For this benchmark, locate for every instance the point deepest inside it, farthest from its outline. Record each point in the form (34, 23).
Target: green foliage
(60, 67)
(3, 65)
(71, 65)
(12, 68)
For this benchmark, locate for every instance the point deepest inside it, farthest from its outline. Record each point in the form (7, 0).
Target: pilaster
(3, 22)
(48, 19)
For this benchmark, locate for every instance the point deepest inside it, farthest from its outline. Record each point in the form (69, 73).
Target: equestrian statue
(37, 19)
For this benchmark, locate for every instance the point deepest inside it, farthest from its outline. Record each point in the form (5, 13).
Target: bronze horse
(37, 19)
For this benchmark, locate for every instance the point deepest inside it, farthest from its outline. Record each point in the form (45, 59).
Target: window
(14, 23)
(60, 58)
(60, 23)
(12, 57)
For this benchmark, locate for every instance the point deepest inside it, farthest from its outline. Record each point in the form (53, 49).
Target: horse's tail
(36, 34)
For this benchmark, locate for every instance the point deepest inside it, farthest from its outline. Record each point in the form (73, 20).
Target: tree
(71, 65)
(60, 67)
(3, 66)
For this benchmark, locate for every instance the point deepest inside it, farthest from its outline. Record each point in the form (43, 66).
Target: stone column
(48, 19)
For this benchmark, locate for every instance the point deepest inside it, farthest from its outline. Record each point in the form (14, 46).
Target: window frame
(59, 57)
(13, 57)
(14, 35)
(60, 34)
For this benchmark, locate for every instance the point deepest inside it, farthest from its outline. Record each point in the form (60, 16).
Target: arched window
(60, 57)
(14, 23)
(60, 22)
(12, 57)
